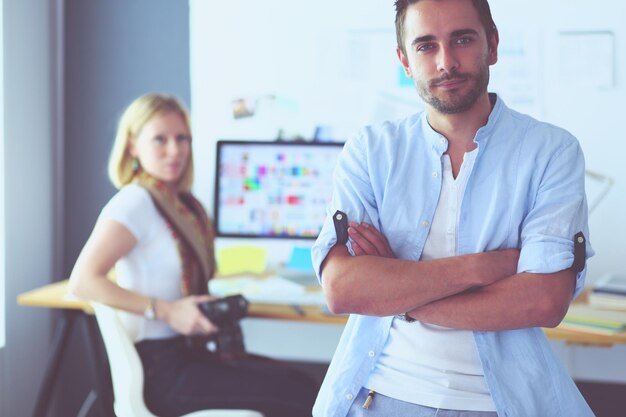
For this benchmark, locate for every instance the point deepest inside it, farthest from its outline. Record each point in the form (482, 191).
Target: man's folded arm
(381, 286)
(520, 301)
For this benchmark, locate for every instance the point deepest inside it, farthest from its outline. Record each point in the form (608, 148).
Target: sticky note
(240, 259)
(300, 259)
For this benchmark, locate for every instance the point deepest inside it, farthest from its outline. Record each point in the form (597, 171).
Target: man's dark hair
(481, 6)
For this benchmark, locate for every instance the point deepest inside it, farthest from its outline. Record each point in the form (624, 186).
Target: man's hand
(367, 240)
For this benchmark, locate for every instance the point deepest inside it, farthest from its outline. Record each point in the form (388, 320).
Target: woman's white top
(426, 364)
(153, 267)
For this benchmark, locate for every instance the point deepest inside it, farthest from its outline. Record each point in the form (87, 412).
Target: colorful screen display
(273, 189)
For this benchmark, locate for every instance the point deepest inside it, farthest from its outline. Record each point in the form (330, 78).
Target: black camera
(226, 312)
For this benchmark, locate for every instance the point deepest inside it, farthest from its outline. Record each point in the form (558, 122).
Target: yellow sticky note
(240, 259)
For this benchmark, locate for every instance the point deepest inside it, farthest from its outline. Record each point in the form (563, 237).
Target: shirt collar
(439, 143)
(484, 133)
(436, 141)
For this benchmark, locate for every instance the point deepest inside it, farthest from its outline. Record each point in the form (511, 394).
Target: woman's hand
(367, 240)
(185, 316)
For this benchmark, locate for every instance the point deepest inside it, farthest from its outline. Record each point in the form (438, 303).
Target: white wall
(29, 75)
(300, 51)
(2, 173)
(562, 92)
(334, 63)
(294, 50)
(592, 113)
(336, 60)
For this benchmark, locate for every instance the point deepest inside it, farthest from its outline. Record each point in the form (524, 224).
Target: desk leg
(98, 364)
(59, 341)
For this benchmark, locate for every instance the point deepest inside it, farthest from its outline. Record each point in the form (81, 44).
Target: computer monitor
(273, 189)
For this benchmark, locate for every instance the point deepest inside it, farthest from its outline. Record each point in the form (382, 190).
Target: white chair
(127, 371)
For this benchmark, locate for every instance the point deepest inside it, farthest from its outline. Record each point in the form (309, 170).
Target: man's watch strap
(406, 317)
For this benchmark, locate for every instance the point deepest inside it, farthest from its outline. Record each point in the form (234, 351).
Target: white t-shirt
(426, 364)
(153, 267)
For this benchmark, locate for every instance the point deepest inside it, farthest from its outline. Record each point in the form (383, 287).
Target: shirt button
(425, 223)
(371, 353)
(348, 396)
(442, 140)
(435, 174)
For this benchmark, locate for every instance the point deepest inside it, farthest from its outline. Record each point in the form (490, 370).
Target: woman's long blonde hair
(134, 118)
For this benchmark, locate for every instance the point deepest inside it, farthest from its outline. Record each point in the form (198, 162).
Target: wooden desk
(55, 296)
(586, 339)
(78, 312)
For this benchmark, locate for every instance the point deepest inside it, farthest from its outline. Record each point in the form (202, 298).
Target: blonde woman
(160, 241)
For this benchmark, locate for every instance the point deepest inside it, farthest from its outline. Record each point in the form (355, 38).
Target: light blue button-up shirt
(526, 191)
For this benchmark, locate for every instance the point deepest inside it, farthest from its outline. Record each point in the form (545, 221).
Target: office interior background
(70, 66)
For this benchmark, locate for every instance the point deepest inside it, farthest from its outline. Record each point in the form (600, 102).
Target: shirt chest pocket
(489, 221)
(405, 243)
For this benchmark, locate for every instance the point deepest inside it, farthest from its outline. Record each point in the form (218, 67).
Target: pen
(298, 309)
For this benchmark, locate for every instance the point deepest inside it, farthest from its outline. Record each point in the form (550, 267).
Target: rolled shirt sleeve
(559, 211)
(352, 194)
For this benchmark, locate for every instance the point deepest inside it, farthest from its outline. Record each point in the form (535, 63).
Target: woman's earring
(135, 165)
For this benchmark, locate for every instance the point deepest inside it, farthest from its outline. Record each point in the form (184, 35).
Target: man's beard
(457, 102)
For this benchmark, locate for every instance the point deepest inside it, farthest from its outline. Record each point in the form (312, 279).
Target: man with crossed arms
(464, 222)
